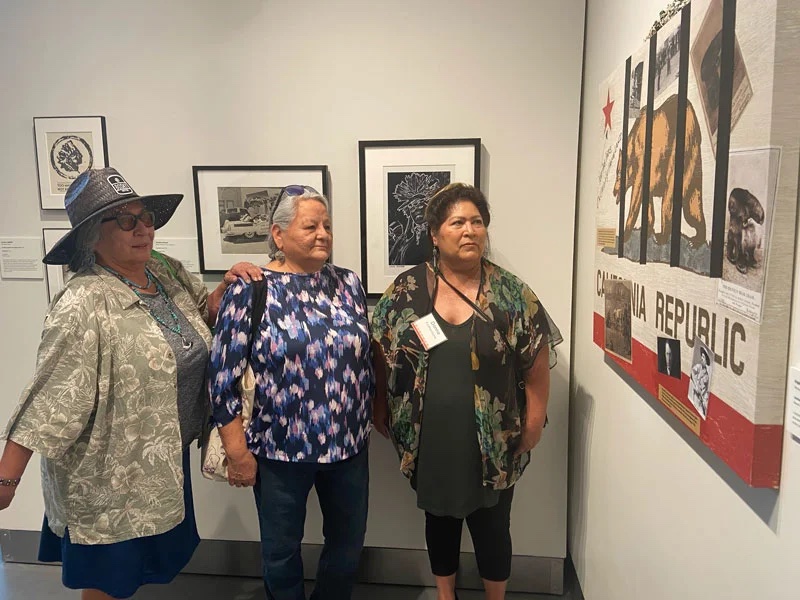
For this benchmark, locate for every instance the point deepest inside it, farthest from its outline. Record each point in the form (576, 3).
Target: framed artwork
(65, 148)
(695, 237)
(55, 275)
(234, 206)
(397, 178)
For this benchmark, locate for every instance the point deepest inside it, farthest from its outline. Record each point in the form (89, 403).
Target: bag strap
(481, 313)
(257, 312)
(259, 296)
(160, 258)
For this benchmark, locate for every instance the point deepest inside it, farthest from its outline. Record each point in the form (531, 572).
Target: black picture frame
(65, 148)
(396, 178)
(218, 193)
(56, 276)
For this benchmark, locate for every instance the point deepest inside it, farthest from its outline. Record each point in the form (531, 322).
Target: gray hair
(85, 240)
(285, 213)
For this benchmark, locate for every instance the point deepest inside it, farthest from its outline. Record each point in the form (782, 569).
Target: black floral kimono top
(516, 311)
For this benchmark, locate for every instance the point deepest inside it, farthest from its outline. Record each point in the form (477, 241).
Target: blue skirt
(119, 569)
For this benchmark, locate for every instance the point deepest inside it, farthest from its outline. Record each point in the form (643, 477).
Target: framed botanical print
(398, 177)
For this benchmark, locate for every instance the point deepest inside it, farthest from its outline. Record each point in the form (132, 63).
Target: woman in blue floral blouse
(463, 338)
(314, 388)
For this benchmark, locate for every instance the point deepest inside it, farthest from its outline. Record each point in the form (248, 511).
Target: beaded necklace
(136, 288)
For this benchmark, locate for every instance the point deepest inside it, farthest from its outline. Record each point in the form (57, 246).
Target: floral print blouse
(102, 408)
(516, 311)
(312, 361)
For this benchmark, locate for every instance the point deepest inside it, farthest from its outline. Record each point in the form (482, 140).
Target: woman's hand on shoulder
(246, 270)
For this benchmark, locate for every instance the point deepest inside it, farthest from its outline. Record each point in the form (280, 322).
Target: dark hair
(443, 200)
(705, 356)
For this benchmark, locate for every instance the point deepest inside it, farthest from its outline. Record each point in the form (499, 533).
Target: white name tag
(429, 332)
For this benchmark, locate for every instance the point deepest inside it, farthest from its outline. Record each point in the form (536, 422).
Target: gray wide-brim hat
(94, 192)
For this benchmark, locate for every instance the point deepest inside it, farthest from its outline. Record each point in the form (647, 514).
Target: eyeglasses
(291, 190)
(127, 221)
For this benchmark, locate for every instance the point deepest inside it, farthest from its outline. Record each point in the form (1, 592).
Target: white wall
(252, 82)
(653, 513)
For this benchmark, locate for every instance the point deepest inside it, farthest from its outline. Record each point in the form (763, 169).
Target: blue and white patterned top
(312, 361)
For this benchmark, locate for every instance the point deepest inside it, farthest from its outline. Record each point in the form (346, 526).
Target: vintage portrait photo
(700, 377)
(706, 58)
(244, 218)
(617, 294)
(669, 357)
(65, 148)
(408, 194)
(668, 58)
(635, 96)
(752, 183)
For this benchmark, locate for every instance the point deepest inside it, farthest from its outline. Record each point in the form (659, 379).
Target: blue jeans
(281, 493)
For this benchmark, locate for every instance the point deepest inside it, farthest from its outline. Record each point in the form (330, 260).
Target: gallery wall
(252, 82)
(654, 513)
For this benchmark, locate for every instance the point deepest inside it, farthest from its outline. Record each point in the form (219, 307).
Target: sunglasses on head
(292, 190)
(127, 221)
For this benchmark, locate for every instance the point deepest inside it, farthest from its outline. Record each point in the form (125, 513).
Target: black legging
(491, 537)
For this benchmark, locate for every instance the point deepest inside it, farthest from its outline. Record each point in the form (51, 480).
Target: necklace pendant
(186, 343)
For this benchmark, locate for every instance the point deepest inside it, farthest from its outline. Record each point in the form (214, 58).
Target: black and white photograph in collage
(617, 294)
(635, 97)
(752, 183)
(244, 218)
(668, 59)
(669, 357)
(752, 180)
(700, 377)
(706, 59)
(409, 192)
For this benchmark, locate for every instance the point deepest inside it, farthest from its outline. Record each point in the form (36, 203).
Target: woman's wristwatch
(10, 482)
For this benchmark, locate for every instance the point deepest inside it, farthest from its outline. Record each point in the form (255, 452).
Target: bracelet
(10, 482)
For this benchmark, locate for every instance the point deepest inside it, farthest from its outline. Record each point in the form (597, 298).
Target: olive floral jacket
(102, 408)
(516, 311)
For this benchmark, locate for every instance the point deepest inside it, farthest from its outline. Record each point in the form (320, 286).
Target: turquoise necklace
(136, 288)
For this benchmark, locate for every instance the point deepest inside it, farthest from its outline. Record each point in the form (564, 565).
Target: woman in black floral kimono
(462, 338)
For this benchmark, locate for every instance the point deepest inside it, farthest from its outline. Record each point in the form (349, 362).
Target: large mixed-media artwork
(695, 222)
(398, 177)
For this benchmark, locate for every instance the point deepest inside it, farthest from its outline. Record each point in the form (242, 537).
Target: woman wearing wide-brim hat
(117, 396)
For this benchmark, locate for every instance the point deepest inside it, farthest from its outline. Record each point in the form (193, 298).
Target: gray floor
(36, 582)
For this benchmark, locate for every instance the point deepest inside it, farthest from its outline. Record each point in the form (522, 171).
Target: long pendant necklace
(136, 288)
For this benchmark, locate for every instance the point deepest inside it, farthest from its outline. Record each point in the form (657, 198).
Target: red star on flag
(607, 112)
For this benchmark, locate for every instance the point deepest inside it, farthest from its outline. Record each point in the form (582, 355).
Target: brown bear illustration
(662, 172)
